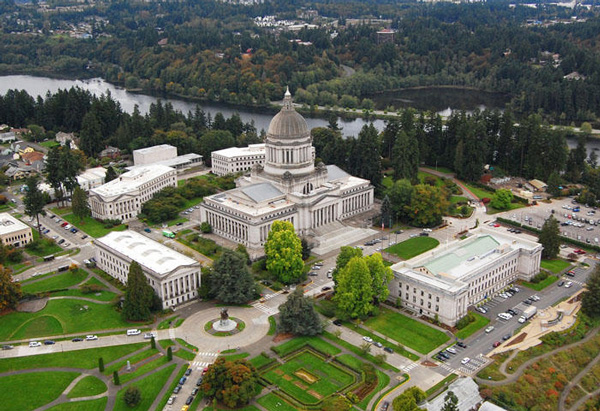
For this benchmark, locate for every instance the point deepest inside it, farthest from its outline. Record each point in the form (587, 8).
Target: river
(39, 86)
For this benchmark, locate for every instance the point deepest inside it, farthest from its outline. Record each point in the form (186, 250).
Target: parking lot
(581, 225)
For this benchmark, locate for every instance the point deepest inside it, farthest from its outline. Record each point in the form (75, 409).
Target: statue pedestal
(224, 325)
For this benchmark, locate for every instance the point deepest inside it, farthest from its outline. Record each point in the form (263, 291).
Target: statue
(224, 316)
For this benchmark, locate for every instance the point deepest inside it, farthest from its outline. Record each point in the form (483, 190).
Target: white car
(505, 316)
(149, 336)
(91, 337)
(451, 350)
(33, 344)
(134, 332)
(489, 329)
(368, 339)
(522, 320)
(171, 400)
(568, 284)
(465, 360)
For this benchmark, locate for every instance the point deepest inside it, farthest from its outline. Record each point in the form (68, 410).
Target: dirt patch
(282, 337)
(428, 364)
(278, 372)
(300, 385)
(306, 376)
(315, 394)
(33, 306)
(517, 340)
(287, 377)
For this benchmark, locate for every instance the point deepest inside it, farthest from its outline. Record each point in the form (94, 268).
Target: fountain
(225, 324)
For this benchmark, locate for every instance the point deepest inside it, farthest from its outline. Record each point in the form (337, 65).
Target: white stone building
(165, 155)
(14, 232)
(91, 178)
(123, 197)
(288, 187)
(448, 279)
(154, 154)
(174, 277)
(235, 159)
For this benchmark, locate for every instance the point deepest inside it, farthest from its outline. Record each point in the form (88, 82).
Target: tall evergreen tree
(111, 174)
(79, 203)
(139, 295)
(90, 136)
(231, 280)
(450, 402)
(298, 316)
(34, 200)
(590, 300)
(405, 157)
(386, 212)
(369, 165)
(549, 238)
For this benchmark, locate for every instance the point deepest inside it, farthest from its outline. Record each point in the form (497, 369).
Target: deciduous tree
(380, 277)
(10, 291)
(354, 290)
(234, 383)
(427, 205)
(345, 255)
(501, 199)
(549, 238)
(298, 316)
(284, 253)
(231, 280)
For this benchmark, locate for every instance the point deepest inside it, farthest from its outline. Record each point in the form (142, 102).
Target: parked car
(171, 400)
(496, 344)
(388, 350)
(49, 342)
(148, 336)
(506, 337)
(560, 284)
(7, 347)
(489, 329)
(177, 389)
(189, 400)
(91, 337)
(385, 406)
(568, 284)
(511, 311)
(326, 288)
(461, 344)
(133, 332)
(378, 344)
(182, 380)
(34, 344)
(147, 230)
(337, 322)
(465, 360)
(368, 339)
(199, 382)
(77, 339)
(451, 350)
(188, 372)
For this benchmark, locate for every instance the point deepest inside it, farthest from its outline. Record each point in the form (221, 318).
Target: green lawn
(315, 342)
(555, 266)
(478, 324)
(91, 405)
(274, 403)
(406, 331)
(49, 143)
(329, 379)
(143, 369)
(234, 357)
(413, 247)
(382, 381)
(422, 175)
(87, 386)
(541, 285)
(512, 206)
(44, 247)
(101, 295)
(150, 386)
(60, 317)
(397, 348)
(185, 354)
(90, 226)
(458, 199)
(59, 281)
(261, 360)
(32, 390)
(357, 351)
(134, 359)
(479, 192)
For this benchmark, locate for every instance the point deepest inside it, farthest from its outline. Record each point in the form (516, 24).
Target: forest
(215, 51)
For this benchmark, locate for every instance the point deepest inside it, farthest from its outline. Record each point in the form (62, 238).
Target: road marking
(410, 366)
(265, 309)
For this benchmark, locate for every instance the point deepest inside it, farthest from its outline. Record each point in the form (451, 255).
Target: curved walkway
(515, 376)
(72, 297)
(574, 382)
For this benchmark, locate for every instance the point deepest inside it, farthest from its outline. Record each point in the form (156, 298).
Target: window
(437, 299)
(430, 296)
(437, 308)
(407, 296)
(422, 293)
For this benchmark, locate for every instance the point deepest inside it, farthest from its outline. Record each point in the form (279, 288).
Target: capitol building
(288, 186)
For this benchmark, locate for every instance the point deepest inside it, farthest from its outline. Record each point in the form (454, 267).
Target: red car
(496, 225)
(579, 251)
(497, 343)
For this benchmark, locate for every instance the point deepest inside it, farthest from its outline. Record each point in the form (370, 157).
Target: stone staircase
(334, 235)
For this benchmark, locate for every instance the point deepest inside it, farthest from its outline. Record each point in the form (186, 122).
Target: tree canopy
(79, 203)
(354, 290)
(34, 200)
(234, 383)
(231, 280)
(549, 238)
(590, 300)
(298, 316)
(501, 199)
(284, 253)
(140, 298)
(10, 291)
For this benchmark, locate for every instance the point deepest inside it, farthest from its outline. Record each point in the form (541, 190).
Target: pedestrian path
(265, 309)
(473, 366)
(203, 360)
(410, 366)
(448, 368)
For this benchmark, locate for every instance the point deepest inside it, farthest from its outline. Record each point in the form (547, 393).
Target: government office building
(448, 279)
(122, 198)
(174, 277)
(235, 159)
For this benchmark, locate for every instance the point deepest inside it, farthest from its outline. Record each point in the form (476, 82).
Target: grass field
(60, 317)
(78, 359)
(406, 331)
(541, 285)
(318, 344)
(174, 383)
(102, 295)
(478, 324)
(32, 390)
(357, 351)
(512, 206)
(134, 359)
(49, 143)
(326, 378)
(261, 360)
(555, 266)
(63, 280)
(413, 247)
(91, 405)
(458, 199)
(149, 386)
(422, 175)
(90, 226)
(143, 369)
(479, 192)
(87, 386)
(273, 403)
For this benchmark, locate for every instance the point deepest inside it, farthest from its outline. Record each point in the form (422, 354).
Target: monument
(225, 323)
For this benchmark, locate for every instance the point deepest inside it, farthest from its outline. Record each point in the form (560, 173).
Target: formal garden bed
(240, 326)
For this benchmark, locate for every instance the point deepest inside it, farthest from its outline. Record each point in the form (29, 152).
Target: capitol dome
(288, 124)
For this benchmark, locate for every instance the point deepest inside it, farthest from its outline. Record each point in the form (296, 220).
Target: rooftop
(152, 149)
(148, 253)
(9, 224)
(92, 173)
(131, 180)
(175, 161)
(452, 262)
(241, 151)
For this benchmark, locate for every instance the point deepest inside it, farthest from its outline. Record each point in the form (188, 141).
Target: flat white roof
(152, 149)
(131, 180)
(175, 161)
(148, 253)
(92, 173)
(9, 224)
(233, 152)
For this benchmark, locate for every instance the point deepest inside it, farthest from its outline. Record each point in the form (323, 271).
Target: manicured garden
(413, 247)
(149, 386)
(91, 226)
(551, 279)
(407, 331)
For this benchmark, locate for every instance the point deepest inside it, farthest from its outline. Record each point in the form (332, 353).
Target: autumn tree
(79, 203)
(284, 253)
(10, 291)
(139, 295)
(427, 205)
(298, 316)
(234, 383)
(231, 280)
(549, 238)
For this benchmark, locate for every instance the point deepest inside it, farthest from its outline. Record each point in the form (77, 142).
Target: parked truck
(168, 234)
(528, 313)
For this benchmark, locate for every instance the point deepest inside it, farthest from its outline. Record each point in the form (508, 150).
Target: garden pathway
(515, 376)
(582, 400)
(574, 382)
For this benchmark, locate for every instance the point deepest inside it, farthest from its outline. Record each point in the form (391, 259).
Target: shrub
(90, 288)
(539, 277)
(466, 320)
(132, 396)
(353, 398)
(205, 228)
